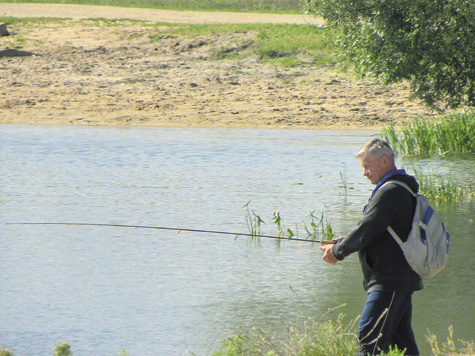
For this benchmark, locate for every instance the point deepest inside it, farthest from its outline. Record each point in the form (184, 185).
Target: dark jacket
(384, 265)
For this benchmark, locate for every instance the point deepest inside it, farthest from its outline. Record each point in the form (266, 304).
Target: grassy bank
(267, 6)
(331, 335)
(283, 45)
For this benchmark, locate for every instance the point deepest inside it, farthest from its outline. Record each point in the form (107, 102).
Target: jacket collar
(386, 177)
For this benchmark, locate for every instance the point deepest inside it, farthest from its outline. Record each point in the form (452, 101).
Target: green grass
(448, 135)
(278, 44)
(285, 45)
(328, 336)
(331, 335)
(61, 349)
(269, 6)
(286, 40)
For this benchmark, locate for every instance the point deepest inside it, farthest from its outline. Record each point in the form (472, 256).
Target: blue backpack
(427, 246)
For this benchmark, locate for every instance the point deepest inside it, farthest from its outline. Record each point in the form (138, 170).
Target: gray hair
(376, 148)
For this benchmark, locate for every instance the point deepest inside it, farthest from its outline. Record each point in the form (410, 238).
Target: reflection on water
(161, 293)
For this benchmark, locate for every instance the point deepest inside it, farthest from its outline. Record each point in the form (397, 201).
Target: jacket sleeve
(378, 215)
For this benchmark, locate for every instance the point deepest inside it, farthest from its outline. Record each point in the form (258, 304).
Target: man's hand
(338, 239)
(328, 255)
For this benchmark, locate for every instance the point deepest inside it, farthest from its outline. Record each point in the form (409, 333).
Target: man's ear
(385, 161)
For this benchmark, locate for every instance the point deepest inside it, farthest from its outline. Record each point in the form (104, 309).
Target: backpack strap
(390, 229)
(402, 184)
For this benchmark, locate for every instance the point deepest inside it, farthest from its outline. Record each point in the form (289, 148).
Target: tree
(430, 43)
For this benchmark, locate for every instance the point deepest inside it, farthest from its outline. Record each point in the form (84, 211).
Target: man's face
(374, 169)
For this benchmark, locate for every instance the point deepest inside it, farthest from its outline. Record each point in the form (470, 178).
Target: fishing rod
(237, 234)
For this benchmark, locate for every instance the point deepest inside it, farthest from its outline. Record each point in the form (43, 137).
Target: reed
(319, 227)
(440, 187)
(253, 221)
(281, 231)
(448, 135)
(344, 181)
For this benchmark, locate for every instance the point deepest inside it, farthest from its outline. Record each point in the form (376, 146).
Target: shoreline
(94, 73)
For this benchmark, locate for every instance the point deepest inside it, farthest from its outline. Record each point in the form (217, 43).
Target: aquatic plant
(281, 231)
(344, 181)
(451, 134)
(253, 221)
(320, 227)
(436, 186)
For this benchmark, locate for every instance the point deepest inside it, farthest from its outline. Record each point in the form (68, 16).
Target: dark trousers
(386, 321)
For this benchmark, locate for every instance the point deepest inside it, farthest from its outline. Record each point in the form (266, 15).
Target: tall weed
(440, 187)
(451, 347)
(308, 337)
(449, 135)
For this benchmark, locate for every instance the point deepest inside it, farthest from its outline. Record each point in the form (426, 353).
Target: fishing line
(236, 234)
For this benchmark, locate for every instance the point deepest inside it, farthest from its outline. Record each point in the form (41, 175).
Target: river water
(156, 292)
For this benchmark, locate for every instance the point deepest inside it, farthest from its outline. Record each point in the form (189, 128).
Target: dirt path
(77, 73)
(77, 12)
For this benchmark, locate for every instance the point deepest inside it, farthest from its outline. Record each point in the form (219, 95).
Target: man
(388, 278)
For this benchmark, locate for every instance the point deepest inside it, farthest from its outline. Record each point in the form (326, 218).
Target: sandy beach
(76, 73)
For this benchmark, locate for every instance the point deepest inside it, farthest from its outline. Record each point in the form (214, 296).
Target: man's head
(377, 159)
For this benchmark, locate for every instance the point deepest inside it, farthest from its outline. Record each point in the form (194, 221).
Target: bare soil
(77, 73)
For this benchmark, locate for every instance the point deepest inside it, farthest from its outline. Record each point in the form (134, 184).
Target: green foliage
(278, 222)
(308, 337)
(62, 349)
(277, 41)
(319, 227)
(344, 181)
(5, 352)
(429, 43)
(253, 221)
(441, 187)
(451, 347)
(452, 134)
(327, 336)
